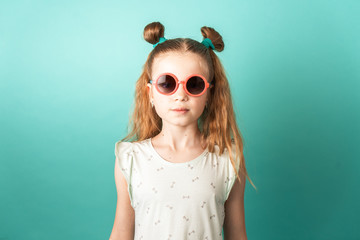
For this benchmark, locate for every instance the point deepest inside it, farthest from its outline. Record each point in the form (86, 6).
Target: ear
(148, 86)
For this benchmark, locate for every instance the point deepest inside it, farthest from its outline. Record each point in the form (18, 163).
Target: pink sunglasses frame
(207, 84)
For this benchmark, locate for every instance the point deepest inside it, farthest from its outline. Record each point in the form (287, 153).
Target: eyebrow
(203, 75)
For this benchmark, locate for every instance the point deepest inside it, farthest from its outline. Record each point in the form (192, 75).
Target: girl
(175, 178)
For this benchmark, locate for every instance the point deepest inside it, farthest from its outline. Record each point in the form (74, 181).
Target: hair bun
(153, 32)
(214, 36)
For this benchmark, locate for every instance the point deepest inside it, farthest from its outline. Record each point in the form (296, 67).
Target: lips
(180, 109)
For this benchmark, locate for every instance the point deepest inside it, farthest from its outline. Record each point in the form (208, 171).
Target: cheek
(161, 104)
(160, 98)
(203, 100)
(156, 96)
(199, 104)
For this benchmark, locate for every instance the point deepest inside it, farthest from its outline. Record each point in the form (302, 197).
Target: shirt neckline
(157, 155)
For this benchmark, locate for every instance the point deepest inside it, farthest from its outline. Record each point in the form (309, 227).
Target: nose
(180, 92)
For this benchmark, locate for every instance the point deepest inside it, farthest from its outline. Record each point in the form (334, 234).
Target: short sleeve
(123, 154)
(231, 175)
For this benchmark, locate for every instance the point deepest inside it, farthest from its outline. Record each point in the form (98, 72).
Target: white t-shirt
(176, 201)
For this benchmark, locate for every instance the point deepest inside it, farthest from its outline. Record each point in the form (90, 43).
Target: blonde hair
(217, 123)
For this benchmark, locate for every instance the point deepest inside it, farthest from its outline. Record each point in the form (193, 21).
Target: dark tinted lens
(166, 84)
(195, 85)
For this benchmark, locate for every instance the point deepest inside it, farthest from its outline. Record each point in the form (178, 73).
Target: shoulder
(129, 148)
(226, 152)
(122, 148)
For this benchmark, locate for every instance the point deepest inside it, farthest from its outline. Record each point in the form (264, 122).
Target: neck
(179, 138)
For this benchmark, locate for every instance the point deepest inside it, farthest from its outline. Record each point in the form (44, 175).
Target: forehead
(180, 64)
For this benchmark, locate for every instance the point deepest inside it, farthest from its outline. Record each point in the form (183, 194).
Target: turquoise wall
(67, 78)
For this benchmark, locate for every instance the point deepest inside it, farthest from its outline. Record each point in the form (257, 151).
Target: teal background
(67, 78)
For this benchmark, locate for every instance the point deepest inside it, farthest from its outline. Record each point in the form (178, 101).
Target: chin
(182, 123)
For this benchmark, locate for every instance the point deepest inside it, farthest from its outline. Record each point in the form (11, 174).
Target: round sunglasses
(195, 85)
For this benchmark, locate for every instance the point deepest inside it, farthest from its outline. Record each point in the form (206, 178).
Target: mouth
(180, 109)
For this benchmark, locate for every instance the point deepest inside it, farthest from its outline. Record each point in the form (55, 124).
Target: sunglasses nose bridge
(183, 83)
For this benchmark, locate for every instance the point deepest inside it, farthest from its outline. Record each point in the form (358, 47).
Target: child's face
(181, 65)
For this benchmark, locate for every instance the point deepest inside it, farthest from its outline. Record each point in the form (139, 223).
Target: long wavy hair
(217, 123)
